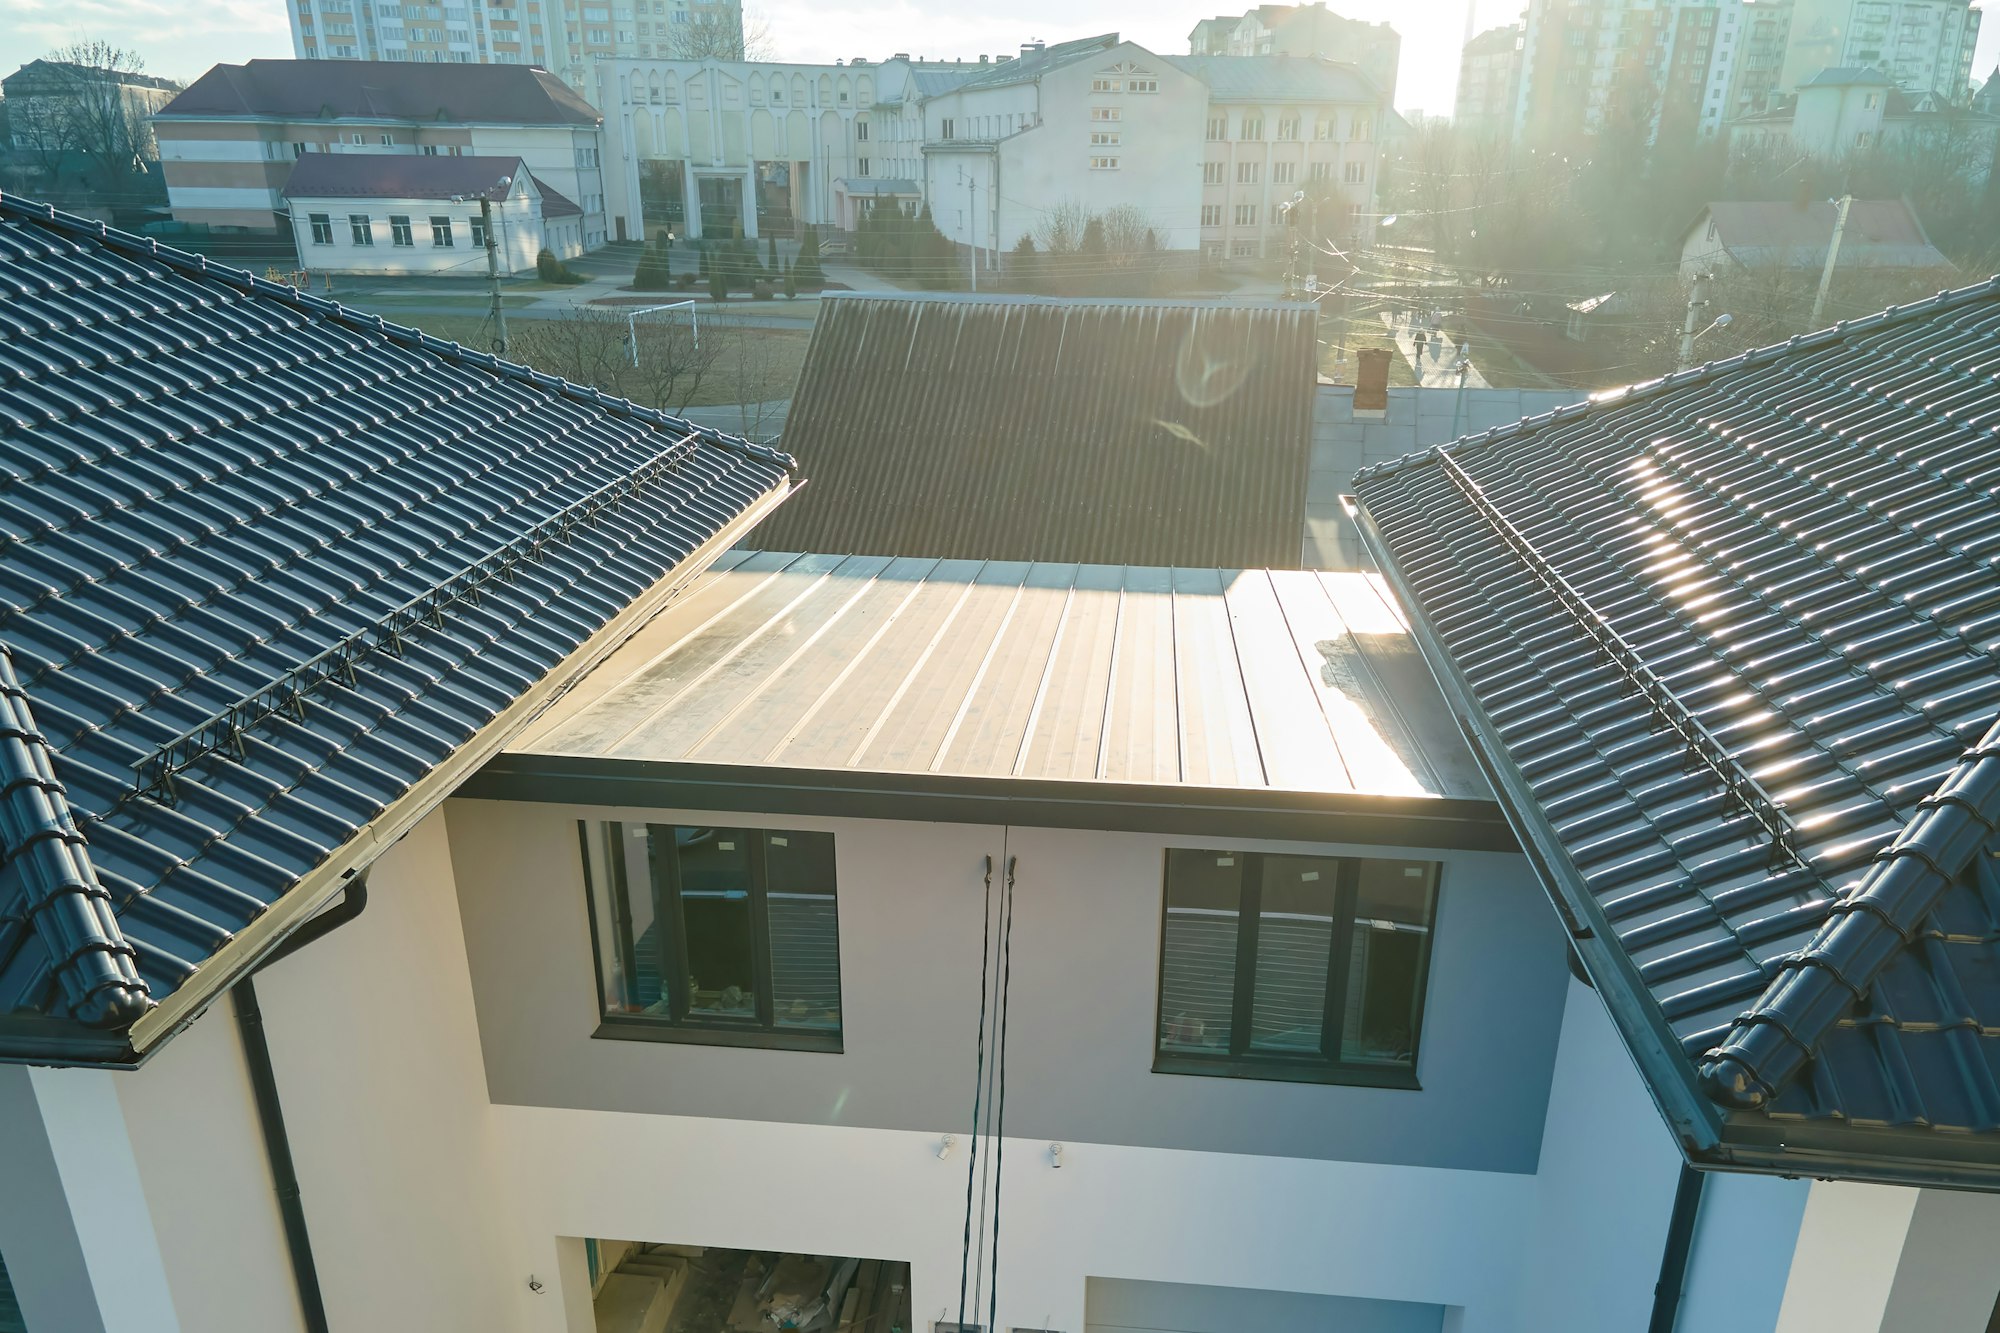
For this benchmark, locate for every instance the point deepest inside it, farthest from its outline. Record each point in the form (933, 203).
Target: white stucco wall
(517, 228)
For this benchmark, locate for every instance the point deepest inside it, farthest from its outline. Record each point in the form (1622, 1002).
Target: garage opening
(1115, 1305)
(637, 1287)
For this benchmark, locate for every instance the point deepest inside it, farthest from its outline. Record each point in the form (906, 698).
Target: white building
(1204, 147)
(228, 143)
(393, 214)
(566, 36)
(443, 857)
(1925, 46)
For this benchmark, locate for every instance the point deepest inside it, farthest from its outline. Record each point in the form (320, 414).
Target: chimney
(1371, 382)
(984, 59)
(1030, 48)
(902, 55)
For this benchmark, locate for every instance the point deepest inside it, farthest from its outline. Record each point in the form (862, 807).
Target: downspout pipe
(270, 1110)
(1674, 1258)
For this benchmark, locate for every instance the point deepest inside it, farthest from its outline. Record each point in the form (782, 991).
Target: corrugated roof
(1731, 642)
(1018, 428)
(400, 176)
(271, 564)
(1006, 669)
(384, 90)
(1279, 79)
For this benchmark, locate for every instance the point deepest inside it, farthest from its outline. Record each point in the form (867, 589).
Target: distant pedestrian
(1419, 341)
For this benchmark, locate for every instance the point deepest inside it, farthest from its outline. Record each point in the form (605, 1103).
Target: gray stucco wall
(1416, 419)
(1083, 996)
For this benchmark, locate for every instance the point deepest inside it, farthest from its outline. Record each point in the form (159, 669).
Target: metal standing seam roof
(1024, 428)
(1251, 680)
(1883, 233)
(271, 566)
(1729, 646)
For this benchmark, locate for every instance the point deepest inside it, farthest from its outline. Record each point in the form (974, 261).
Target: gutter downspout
(270, 1111)
(1674, 1259)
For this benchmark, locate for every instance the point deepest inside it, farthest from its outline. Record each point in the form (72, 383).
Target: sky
(182, 38)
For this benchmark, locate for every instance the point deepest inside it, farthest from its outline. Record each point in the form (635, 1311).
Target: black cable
(978, 1085)
(1000, 1082)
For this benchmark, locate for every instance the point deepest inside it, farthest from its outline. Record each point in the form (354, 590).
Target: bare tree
(590, 346)
(94, 101)
(1060, 230)
(1126, 227)
(722, 31)
(747, 372)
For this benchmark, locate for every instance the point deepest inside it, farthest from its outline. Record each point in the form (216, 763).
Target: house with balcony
(457, 877)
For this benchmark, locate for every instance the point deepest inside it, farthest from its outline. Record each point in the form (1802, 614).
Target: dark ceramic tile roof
(1730, 645)
(399, 176)
(1022, 428)
(269, 564)
(384, 90)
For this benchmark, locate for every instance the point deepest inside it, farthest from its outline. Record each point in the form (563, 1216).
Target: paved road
(1437, 368)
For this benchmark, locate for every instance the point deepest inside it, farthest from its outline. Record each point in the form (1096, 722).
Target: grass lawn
(776, 358)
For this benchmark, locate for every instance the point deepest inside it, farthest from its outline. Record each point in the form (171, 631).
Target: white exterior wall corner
(376, 1055)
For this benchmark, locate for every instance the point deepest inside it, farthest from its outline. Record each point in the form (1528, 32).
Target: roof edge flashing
(254, 944)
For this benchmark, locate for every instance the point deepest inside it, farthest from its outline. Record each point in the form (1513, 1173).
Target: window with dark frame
(715, 936)
(441, 231)
(322, 228)
(1305, 968)
(399, 230)
(362, 229)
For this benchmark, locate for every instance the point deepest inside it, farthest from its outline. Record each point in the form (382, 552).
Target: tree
(1060, 230)
(722, 31)
(1093, 242)
(1024, 265)
(591, 346)
(771, 253)
(808, 261)
(791, 281)
(652, 274)
(92, 101)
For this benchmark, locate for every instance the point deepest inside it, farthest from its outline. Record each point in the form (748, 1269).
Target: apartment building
(1205, 147)
(564, 36)
(1489, 77)
(1925, 46)
(1685, 67)
(1375, 49)
(229, 142)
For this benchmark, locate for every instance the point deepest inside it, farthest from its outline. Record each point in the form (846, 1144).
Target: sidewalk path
(1433, 371)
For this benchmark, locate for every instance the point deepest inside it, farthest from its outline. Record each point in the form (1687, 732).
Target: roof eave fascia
(1757, 1145)
(1669, 1075)
(417, 122)
(312, 893)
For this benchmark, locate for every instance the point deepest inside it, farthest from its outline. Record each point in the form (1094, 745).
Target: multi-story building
(1841, 112)
(1683, 67)
(1489, 77)
(1205, 148)
(565, 36)
(458, 882)
(1304, 30)
(228, 143)
(83, 134)
(1924, 45)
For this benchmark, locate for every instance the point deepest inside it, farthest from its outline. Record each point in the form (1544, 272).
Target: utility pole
(493, 275)
(1697, 302)
(1832, 258)
(972, 232)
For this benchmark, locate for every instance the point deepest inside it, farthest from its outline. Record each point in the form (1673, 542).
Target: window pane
(1294, 941)
(1198, 955)
(805, 938)
(1392, 940)
(622, 900)
(715, 910)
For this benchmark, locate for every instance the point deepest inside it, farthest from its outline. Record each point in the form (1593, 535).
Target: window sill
(640, 1029)
(1279, 1071)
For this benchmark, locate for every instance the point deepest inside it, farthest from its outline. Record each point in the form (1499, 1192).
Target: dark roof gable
(1027, 428)
(277, 572)
(384, 90)
(1729, 644)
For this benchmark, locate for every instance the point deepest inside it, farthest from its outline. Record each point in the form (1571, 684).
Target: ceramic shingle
(271, 567)
(1729, 645)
